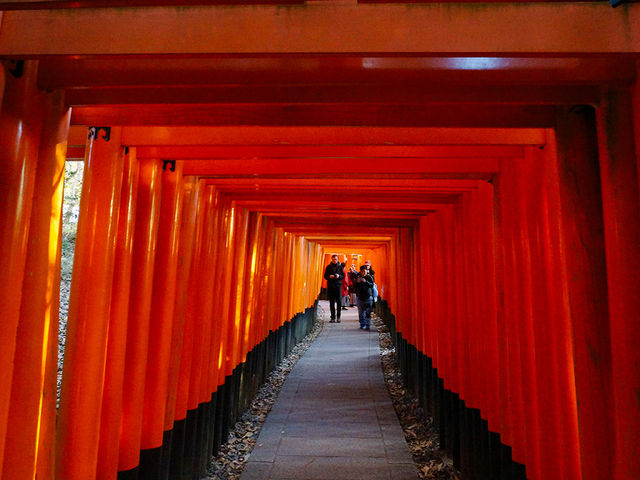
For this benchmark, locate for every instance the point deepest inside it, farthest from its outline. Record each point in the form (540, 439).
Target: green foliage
(73, 174)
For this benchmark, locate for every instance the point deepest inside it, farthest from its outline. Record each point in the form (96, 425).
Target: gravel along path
(419, 431)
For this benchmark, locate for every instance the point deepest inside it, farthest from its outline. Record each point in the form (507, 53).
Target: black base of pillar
(190, 445)
(150, 464)
(128, 474)
(477, 452)
(167, 447)
(177, 449)
(190, 433)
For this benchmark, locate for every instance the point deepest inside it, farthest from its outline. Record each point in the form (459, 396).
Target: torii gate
(494, 145)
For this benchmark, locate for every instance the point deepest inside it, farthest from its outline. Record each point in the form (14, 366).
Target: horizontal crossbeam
(444, 28)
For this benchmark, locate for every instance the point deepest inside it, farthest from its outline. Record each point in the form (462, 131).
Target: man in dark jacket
(364, 293)
(371, 272)
(334, 274)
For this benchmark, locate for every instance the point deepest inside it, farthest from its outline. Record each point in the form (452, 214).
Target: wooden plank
(320, 135)
(326, 166)
(457, 28)
(388, 92)
(345, 151)
(265, 72)
(431, 115)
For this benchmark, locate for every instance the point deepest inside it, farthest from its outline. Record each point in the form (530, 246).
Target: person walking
(372, 273)
(334, 274)
(364, 294)
(370, 270)
(352, 274)
(346, 283)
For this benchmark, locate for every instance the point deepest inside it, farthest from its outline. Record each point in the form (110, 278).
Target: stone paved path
(333, 418)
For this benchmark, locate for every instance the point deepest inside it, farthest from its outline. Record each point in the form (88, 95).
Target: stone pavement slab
(333, 418)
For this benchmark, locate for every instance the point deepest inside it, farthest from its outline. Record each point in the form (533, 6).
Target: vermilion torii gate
(485, 157)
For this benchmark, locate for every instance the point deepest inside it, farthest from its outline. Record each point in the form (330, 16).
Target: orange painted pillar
(459, 323)
(488, 306)
(250, 282)
(290, 292)
(509, 345)
(119, 315)
(226, 355)
(186, 355)
(525, 179)
(326, 261)
(558, 334)
(278, 266)
(450, 363)
(583, 236)
(185, 256)
(215, 367)
(230, 303)
(635, 100)
(162, 306)
(474, 332)
(271, 285)
(211, 351)
(204, 296)
(440, 285)
(142, 268)
(32, 413)
(237, 291)
(426, 267)
(262, 280)
(20, 123)
(3, 77)
(88, 320)
(287, 252)
(260, 288)
(621, 206)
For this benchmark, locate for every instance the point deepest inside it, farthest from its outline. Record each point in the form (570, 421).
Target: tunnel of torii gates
(484, 158)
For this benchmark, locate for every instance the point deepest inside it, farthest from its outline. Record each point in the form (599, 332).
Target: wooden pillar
(88, 320)
(215, 365)
(143, 261)
(252, 293)
(186, 357)
(583, 235)
(621, 207)
(32, 413)
(226, 255)
(162, 307)
(487, 306)
(185, 256)
(511, 407)
(3, 76)
(241, 222)
(204, 300)
(20, 123)
(635, 99)
(119, 315)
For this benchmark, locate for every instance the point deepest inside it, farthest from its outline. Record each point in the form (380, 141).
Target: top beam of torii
(440, 29)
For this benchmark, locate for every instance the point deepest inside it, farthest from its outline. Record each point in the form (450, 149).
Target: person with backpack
(364, 294)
